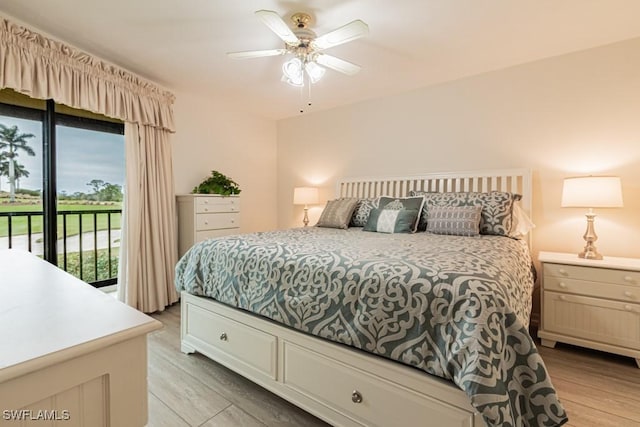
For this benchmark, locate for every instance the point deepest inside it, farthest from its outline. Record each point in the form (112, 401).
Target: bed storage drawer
(232, 342)
(359, 396)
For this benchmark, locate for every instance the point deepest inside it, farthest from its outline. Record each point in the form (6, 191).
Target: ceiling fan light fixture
(293, 72)
(314, 71)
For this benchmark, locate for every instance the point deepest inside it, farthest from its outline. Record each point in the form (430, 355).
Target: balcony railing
(88, 245)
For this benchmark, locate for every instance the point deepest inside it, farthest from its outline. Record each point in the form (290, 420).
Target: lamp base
(305, 220)
(590, 251)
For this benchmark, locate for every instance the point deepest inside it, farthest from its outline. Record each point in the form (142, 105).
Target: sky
(82, 155)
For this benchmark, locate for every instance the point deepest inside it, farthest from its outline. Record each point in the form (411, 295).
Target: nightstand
(594, 304)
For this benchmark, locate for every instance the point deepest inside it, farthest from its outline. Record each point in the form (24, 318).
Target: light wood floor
(597, 389)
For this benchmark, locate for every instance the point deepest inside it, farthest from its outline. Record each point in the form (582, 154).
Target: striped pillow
(454, 220)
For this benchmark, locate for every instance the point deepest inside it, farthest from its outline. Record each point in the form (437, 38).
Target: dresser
(205, 216)
(69, 352)
(591, 303)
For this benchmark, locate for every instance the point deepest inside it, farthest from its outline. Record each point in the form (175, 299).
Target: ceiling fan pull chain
(302, 95)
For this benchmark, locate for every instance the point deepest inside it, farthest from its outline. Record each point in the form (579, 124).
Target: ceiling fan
(307, 48)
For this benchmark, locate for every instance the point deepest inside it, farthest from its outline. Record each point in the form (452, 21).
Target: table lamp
(591, 192)
(305, 196)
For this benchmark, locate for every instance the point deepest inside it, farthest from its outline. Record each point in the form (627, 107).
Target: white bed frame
(341, 385)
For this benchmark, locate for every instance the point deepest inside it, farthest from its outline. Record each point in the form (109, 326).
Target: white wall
(209, 136)
(569, 115)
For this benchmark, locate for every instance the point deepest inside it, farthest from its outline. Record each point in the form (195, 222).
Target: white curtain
(48, 69)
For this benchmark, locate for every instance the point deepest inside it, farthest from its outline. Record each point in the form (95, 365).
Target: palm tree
(12, 141)
(19, 170)
(3, 160)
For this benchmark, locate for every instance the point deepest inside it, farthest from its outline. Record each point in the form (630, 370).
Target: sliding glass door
(62, 199)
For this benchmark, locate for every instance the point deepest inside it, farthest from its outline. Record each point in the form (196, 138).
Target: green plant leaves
(217, 183)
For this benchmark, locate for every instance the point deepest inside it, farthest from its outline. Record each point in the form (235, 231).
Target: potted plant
(217, 183)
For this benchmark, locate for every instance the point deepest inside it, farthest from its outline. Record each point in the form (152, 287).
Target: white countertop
(47, 315)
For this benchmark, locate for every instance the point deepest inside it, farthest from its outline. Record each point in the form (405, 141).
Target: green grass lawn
(19, 224)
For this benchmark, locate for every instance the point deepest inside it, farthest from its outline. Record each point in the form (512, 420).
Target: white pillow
(521, 223)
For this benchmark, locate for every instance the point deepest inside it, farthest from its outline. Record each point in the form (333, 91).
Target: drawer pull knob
(563, 298)
(628, 294)
(356, 397)
(628, 279)
(206, 222)
(628, 307)
(223, 336)
(562, 271)
(563, 285)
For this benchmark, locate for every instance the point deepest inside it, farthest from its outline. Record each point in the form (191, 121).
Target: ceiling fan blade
(338, 64)
(346, 33)
(278, 26)
(248, 54)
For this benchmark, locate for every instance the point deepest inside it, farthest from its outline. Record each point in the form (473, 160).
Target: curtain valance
(47, 69)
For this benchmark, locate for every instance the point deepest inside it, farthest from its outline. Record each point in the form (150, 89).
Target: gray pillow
(392, 220)
(362, 211)
(337, 213)
(454, 221)
(399, 203)
(497, 207)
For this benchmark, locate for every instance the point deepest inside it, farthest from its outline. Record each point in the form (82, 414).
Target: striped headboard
(512, 180)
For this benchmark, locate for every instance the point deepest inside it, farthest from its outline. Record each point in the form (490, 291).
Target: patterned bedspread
(455, 307)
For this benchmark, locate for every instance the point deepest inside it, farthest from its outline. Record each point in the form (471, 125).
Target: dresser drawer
(594, 274)
(213, 221)
(254, 349)
(611, 322)
(334, 384)
(212, 234)
(217, 204)
(594, 289)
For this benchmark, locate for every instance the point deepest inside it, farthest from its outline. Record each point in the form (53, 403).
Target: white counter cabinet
(69, 352)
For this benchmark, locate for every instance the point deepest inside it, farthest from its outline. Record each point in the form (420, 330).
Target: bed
(363, 328)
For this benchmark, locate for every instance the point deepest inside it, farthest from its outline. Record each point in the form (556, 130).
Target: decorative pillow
(422, 221)
(362, 211)
(416, 203)
(497, 208)
(337, 213)
(392, 220)
(522, 224)
(454, 221)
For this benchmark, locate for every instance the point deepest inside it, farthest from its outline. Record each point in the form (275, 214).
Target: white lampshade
(305, 196)
(314, 71)
(293, 72)
(592, 192)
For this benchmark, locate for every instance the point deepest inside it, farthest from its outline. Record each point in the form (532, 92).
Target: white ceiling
(412, 43)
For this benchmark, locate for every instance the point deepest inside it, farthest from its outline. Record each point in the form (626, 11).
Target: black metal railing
(97, 265)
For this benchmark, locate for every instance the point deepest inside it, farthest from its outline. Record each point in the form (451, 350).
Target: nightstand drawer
(217, 204)
(217, 220)
(610, 322)
(594, 274)
(594, 289)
